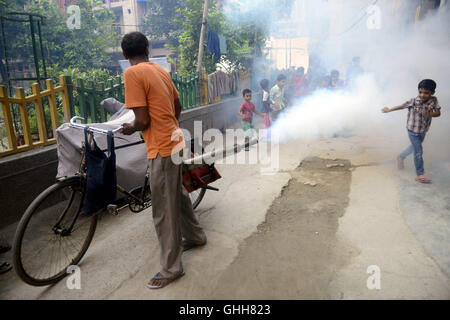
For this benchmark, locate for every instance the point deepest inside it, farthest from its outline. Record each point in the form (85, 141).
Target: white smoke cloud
(395, 52)
(327, 113)
(396, 58)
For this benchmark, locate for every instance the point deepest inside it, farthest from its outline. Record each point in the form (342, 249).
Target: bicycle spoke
(67, 241)
(39, 252)
(48, 247)
(72, 244)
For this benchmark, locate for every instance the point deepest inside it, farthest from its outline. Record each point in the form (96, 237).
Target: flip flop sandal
(423, 180)
(159, 276)
(5, 267)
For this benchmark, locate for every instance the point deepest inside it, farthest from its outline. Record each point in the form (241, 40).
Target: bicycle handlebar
(73, 124)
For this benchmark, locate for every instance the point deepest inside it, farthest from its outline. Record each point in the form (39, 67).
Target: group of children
(273, 101)
(421, 110)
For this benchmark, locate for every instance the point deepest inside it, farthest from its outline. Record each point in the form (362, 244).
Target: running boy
(246, 112)
(420, 111)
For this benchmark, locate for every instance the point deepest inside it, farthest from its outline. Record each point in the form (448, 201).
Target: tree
(7, 5)
(179, 23)
(161, 21)
(84, 48)
(245, 38)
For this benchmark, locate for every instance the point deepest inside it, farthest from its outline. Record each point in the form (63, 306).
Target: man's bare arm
(140, 123)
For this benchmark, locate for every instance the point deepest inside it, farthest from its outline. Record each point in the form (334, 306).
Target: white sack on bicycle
(131, 162)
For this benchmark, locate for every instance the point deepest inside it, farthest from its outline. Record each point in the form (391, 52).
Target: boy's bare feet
(400, 163)
(423, 179)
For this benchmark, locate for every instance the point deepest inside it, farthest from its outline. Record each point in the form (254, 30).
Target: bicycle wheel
(196, 197)
(53, 233)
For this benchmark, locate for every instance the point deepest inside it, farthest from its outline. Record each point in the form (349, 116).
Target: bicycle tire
(74, 182)
(197, 201)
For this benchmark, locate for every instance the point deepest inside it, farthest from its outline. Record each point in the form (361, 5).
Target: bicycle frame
(82, 170)
(82, 175)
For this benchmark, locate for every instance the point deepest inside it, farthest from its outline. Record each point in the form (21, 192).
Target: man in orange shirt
(151, 94)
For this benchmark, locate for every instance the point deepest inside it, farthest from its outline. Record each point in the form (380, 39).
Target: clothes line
(220, 83)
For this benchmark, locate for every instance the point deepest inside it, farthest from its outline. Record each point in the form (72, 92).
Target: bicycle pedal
(113, 209)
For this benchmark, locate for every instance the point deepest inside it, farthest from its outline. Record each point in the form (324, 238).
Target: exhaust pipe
(219, 154)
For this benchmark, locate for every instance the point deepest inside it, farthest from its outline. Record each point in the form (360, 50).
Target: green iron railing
(189, 90)
(87, 95)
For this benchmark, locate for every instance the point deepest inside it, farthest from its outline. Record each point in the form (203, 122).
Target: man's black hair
(281, 77)
(245, 91)
(427, 84)
(356, 59)
(264, 83)
(301, 69)
(334, 72)
(134, 44)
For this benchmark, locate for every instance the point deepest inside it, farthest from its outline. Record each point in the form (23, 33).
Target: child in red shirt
(246, 112)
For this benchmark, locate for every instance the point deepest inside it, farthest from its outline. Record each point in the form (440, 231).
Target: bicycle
(53, 220)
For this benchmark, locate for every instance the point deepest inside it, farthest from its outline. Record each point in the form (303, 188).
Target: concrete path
(380, 226)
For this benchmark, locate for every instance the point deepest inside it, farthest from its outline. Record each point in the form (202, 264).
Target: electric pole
(202, 36)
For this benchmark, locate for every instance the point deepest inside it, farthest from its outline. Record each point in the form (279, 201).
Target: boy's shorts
(249, 129)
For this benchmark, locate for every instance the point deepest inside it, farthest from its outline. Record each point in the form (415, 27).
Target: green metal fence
(189, 89)
(86, 96)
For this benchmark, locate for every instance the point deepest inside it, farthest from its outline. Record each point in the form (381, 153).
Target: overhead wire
(355, 23)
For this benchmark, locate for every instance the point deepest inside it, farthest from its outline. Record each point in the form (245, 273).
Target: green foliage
(191, 21)
(161, 20)
(245, 38)
(94, 75)
(8, 5)
(83, 48)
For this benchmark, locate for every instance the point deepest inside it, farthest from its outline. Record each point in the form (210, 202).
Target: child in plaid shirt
(420, 111)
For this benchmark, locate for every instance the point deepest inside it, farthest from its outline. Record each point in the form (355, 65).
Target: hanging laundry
(214, 45)
(221, 83)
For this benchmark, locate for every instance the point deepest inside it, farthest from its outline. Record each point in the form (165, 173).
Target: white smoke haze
(396, 58)
(328, 113)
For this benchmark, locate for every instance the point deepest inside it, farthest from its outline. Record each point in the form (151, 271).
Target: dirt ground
(295, 252)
